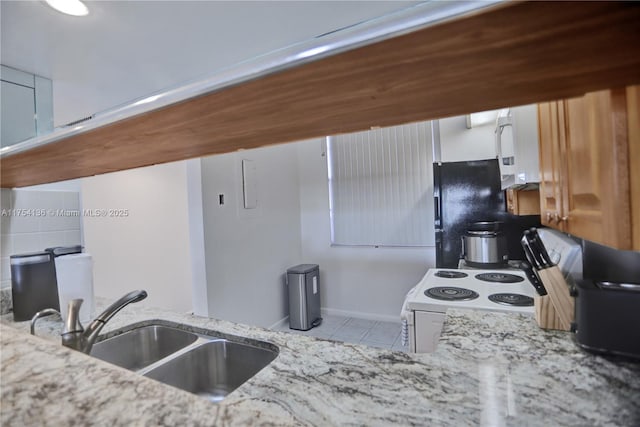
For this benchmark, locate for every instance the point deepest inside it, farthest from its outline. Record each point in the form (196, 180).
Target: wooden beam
(513, 54)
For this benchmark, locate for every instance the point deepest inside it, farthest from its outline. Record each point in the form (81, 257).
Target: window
(381, 187)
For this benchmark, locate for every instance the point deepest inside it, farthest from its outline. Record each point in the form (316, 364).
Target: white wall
(69, 185)
(457, 143)
(196, 238)
(355, 281)
(248, 250)
(149, 249)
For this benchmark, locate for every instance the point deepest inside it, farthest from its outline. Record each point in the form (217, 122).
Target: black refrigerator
(468, 192)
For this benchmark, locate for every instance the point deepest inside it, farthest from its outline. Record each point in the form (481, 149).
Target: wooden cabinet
(525, 201)
(588, 164)
(633, 116)
(26, 106)
(549, 123)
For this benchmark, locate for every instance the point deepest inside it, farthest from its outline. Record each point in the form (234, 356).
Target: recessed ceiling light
(70, 7)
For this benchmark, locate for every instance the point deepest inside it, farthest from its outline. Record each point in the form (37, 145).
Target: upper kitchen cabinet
(523, 201)
(551, 143)
(589, 166)
(27, 106)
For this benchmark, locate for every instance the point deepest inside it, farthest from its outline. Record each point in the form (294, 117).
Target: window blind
(381, 187)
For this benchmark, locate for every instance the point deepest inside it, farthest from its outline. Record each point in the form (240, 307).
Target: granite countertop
(489, 369)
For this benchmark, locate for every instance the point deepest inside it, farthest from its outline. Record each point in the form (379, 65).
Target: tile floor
(357, 331)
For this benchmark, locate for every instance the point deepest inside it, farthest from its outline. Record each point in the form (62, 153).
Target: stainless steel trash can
(304, 296)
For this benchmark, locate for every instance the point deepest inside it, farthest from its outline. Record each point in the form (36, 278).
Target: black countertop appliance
(608, 301)
(607, 317)
(466, 193)
(33, 284)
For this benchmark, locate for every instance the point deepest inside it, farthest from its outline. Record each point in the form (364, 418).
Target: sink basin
(143, 346)
(214, 369)
(202, 362)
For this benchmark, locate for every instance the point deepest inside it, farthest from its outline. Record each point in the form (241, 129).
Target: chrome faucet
(81, 339)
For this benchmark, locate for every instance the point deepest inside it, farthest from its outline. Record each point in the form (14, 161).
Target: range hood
(516, 136)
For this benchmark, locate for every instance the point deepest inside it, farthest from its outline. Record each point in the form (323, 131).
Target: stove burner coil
(448, 274)
(450, 293)
(497, 277)
(512, 300)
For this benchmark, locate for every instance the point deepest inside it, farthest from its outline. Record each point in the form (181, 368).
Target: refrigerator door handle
(436, 213)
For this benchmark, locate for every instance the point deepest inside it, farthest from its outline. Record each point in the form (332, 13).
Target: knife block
(556, 309)
(545, 313)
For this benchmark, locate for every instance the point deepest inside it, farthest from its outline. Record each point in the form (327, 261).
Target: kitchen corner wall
(244, 253)
(34, 219)
(142, 240)
(363, 282)
(458, 144)
(248, 251)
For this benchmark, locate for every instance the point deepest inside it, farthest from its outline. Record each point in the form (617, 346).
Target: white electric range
(425, 306)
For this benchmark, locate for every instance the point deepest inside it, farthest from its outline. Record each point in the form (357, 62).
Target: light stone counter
(489, 369)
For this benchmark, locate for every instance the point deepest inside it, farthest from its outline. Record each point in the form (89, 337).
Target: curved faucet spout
(78, 338)
(129, 298)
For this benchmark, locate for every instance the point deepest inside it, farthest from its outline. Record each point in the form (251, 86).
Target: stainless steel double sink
(199, 362)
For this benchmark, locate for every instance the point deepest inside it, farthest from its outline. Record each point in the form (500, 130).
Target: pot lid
(486, 226)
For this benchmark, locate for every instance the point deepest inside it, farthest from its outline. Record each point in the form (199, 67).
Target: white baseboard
(345, 313)
(281, 322)
(360, 315)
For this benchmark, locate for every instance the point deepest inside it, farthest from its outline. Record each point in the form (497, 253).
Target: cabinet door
(551, 146)
(523, 202)
(18, 113)
(633, 123)
(597, 184)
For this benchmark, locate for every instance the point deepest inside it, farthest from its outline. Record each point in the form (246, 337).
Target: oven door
(427, 327)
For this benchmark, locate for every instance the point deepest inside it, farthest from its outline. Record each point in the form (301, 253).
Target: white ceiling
(128, 49)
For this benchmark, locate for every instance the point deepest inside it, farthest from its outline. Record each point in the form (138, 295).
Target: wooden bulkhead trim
(512, 54)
